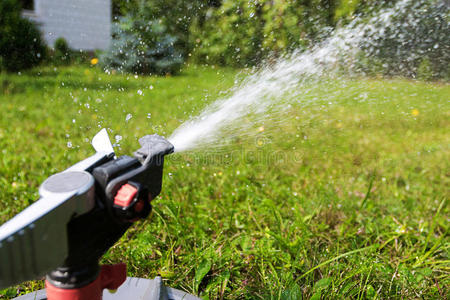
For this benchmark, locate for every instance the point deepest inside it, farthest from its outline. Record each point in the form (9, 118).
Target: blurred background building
(84, 24)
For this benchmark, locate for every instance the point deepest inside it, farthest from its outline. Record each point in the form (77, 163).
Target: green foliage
(121, 8)
(242, 33)
(8, 293)
(62, 53)
(421, 41)
(142, 46)
(175, 15)
(237, 33)
(200, 273)
(284, 28)
(21, 46)
(241, 227)
(346, 8)
(425, 71)
(231, 35)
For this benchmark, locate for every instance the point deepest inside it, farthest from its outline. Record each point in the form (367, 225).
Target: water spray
(273, 88)
(81, 213)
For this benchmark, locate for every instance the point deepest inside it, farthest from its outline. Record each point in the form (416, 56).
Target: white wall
(85, 24)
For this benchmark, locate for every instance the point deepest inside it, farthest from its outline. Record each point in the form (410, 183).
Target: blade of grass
(336, 258)
(368, 191)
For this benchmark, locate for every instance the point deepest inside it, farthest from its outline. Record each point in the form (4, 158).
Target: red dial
(125, 195)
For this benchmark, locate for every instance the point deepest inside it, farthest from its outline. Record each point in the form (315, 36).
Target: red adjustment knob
(125, 195)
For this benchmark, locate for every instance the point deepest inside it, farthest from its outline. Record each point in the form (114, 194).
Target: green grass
(341, 200)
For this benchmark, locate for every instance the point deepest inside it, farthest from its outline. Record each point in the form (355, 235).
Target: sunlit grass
(340, 200)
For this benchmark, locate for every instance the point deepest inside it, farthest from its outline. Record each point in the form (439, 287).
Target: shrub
(424, 71)
(176, 15)
(21, 45)
(62, 53)
(140, 46)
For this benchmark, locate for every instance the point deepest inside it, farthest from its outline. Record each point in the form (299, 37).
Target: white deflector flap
(101, 142)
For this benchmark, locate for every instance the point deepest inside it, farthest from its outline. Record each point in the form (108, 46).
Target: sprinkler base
(132, 288)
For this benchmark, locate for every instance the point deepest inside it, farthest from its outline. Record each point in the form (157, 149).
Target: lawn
(347, 197)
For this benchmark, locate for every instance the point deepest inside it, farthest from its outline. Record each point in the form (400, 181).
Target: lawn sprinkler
(81, 213)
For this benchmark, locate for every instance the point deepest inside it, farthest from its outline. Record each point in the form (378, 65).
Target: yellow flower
(415, 112)
(94, 61)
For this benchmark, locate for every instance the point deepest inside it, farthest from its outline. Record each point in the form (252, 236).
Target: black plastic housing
(92, 234)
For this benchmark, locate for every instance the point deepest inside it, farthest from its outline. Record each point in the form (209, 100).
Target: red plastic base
(111, 277)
